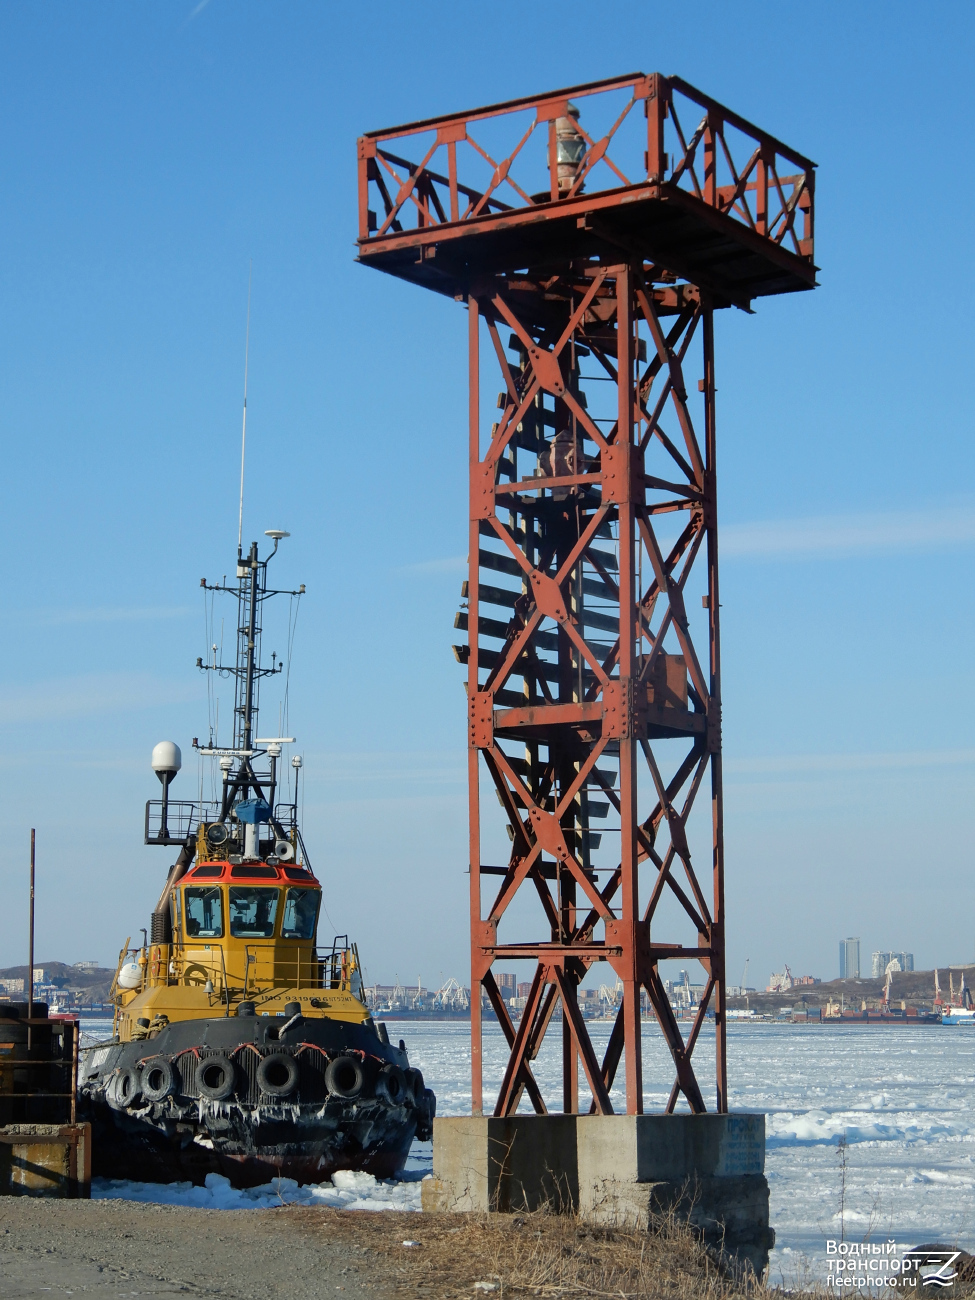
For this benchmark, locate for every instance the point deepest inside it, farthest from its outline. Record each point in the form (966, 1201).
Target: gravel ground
(108, 1250)
(116, 1250)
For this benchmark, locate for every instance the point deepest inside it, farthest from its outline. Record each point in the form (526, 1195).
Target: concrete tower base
(627, 1170)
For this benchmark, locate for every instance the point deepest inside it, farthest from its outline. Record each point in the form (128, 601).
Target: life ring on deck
(215, 1077)
(345, 1077)
(277, 1074)
(158, 1078)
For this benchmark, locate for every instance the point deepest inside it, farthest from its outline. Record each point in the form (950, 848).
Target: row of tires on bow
(218, 1078)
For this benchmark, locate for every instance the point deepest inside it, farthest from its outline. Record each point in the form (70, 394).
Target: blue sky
(148, 153)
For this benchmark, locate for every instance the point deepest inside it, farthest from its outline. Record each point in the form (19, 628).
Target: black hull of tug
(249, 1135)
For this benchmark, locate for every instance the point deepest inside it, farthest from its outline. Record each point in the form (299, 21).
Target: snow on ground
(346, 1191)
(904, 1099)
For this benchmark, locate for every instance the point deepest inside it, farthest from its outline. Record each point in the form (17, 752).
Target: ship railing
(170, 821)
(287, 815)
(340, 966)
(266, 966)
(174, 821)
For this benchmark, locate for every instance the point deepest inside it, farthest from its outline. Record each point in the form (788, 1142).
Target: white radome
(166, 757)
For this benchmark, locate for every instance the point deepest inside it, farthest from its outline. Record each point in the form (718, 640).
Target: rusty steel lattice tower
(592, 233)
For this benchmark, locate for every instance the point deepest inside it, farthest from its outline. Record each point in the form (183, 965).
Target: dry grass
(521, 1255)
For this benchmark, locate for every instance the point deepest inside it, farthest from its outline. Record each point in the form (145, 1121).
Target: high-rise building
(879, 962)
(850, 959)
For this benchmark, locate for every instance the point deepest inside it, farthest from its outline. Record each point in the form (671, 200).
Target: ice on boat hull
(242, 1098)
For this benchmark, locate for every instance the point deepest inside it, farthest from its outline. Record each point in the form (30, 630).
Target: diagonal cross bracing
(603, 505)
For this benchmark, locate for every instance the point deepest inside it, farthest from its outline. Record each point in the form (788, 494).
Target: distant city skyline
(879, 962)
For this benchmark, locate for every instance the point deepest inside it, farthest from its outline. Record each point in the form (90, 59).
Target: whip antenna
(243, 432)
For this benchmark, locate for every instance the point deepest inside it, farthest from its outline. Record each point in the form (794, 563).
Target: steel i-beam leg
(714, 721)
(473, 755)
(630, 895)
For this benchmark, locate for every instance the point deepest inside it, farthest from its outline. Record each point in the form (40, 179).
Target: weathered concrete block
(523, 1162)
(655, 1148)
(708, 1170)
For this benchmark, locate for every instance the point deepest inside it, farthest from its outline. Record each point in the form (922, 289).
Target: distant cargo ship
(958, 1015)
(881, 1016)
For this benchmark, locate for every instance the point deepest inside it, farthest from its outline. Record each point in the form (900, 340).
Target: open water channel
(903, 1098)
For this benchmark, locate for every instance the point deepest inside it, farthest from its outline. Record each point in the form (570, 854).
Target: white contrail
(779, 764)
(848, 534)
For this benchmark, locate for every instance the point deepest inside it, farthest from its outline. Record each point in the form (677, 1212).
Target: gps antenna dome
(166, 760)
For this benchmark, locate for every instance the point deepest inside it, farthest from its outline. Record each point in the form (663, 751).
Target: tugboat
(239, 1047)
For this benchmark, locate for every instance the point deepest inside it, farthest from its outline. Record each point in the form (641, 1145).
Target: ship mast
(251, 590)
(247, 798)
(248, 631)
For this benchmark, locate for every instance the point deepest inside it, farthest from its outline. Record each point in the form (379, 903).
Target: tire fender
(277, 1074)
(159, 1078)
(345, 1077)
(426, 1111)
(414, 1085)
(215, 1077)
(391, 1086)
(124, 1089)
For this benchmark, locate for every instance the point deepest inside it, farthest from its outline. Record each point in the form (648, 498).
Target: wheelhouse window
(252, 912)
(300, 913)
(203, 908)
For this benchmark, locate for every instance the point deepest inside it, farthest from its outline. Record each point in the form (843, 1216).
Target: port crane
(451, 996)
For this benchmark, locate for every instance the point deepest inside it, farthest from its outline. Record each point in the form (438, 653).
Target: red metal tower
(599, 228)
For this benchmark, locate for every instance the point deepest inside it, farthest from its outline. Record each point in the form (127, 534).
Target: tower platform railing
(581, 158)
